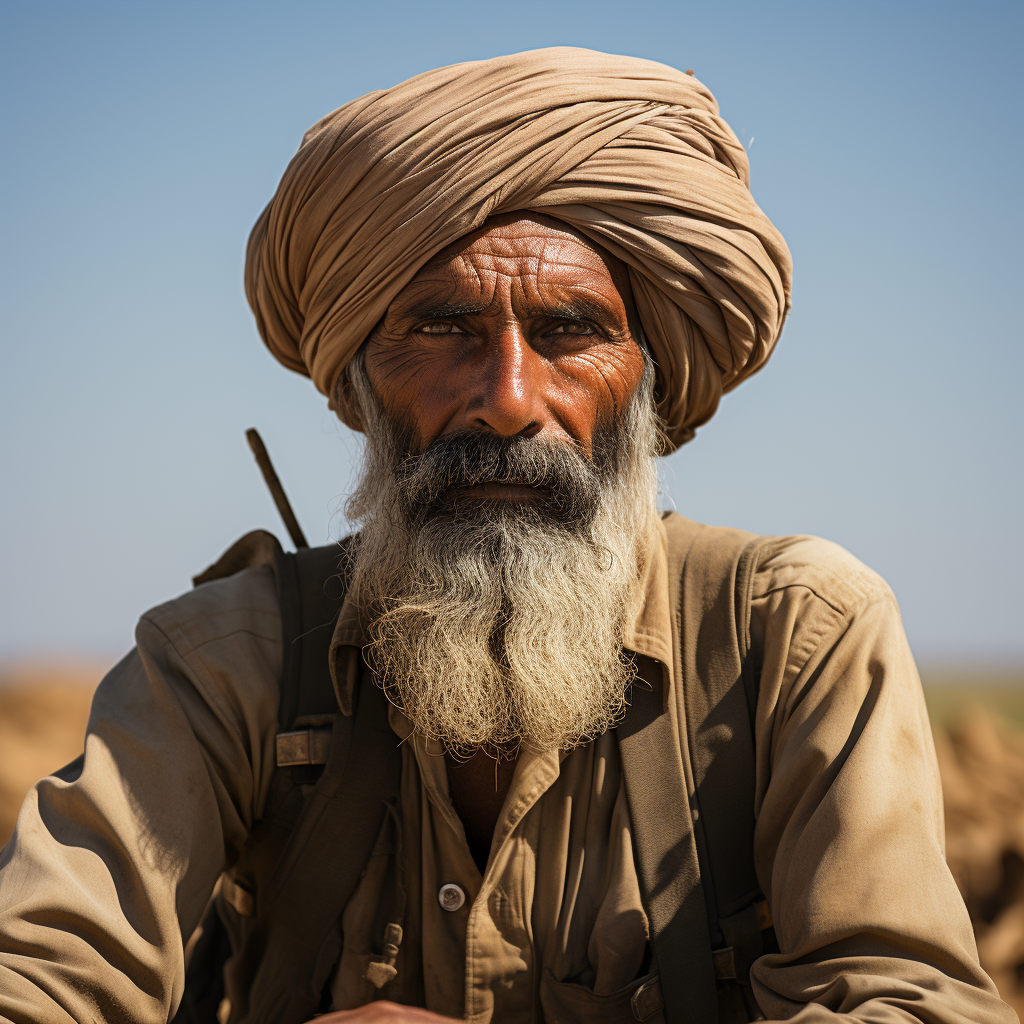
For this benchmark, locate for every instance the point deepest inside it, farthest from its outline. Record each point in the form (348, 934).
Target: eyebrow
(431, 309)
(579, 310)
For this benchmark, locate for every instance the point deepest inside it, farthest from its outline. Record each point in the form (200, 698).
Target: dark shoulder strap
(653, 764)
(312, 583)
(696, 866)
(720, 672)
(295, 941)
(292, 944)
(718, 686)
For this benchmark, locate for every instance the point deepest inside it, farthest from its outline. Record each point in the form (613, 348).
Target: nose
(509, 397)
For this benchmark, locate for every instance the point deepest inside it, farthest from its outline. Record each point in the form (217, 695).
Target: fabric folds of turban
(631, 153)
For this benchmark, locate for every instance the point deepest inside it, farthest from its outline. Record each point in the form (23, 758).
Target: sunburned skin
(522, 328)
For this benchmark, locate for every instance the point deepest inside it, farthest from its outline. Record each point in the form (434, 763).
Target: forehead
(531, 244)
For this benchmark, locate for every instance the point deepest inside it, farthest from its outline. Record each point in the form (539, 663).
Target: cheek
(415, 385)
(605, 379)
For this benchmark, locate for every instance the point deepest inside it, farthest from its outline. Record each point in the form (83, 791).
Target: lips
(501, 490)
(485, 477)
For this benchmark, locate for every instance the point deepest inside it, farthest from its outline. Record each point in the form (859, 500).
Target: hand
(382, 1012)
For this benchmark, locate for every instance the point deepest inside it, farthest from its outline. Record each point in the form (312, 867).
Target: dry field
(979, 733)
(43, 712)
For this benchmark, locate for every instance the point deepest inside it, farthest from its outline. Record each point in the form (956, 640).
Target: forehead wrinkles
(559, 269)
(544, 251)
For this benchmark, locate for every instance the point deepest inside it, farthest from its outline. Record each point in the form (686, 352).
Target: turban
(631, 153)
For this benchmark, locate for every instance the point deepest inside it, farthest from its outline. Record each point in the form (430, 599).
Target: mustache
(567, 483)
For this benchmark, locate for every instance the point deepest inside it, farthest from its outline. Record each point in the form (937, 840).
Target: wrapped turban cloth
(630, 153)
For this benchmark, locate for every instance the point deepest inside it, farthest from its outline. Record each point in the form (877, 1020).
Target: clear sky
(140, 141)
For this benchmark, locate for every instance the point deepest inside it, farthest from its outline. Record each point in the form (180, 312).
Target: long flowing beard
(499, 623)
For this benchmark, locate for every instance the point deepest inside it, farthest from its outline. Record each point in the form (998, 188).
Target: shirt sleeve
(849, 842)
(114, 858)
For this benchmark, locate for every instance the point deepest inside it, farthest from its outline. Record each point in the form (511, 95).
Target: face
(522, 329)
(508, 489)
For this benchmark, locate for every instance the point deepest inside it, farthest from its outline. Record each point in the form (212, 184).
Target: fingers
(384, 1012)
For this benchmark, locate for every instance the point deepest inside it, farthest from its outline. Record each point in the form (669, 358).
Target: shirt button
(451, 896)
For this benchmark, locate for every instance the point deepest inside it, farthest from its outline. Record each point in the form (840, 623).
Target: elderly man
(520, 750)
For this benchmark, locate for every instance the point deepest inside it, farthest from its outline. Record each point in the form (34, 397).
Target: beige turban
(631, 153)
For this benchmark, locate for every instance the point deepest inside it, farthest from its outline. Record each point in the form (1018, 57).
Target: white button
(451, 896)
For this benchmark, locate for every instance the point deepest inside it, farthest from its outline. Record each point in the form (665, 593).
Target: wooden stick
(276, 490)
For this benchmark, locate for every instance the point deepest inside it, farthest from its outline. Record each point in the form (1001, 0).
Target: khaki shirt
(107, 871)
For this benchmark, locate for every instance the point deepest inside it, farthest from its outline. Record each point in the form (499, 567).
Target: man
(523, 279)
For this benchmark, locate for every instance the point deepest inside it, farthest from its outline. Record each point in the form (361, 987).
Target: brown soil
(43, 713)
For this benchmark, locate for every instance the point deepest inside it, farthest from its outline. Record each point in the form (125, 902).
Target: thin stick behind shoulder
(276, 490)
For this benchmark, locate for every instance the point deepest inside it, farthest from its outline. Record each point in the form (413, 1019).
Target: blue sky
(140, 141)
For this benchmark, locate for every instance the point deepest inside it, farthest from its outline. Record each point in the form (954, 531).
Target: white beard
(501, 623)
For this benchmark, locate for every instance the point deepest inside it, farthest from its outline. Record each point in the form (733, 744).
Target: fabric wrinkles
(631, 153)
(848, 844)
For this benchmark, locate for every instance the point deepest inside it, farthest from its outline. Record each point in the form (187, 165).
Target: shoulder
(242, 605)
(763, 565)
(217, 651)
(223, 641)
(820, 568)
(812, 602)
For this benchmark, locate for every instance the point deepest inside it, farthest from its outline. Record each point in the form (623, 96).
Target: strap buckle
(311, 745)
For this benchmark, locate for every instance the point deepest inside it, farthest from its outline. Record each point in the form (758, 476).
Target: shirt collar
(347, 645)
(649, 631)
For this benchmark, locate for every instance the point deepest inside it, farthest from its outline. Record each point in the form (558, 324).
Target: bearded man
(628, 767)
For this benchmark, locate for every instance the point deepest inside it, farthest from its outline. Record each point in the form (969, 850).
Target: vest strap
(666, 850)
(344, 813)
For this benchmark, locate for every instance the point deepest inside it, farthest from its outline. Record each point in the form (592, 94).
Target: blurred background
(140, 142)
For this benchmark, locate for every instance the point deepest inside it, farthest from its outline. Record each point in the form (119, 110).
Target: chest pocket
(565, 1002)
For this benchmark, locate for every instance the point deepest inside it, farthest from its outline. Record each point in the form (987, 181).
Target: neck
(478, 785)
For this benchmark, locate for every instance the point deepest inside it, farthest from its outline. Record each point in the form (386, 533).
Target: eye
(573, 327)
(440, 327)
